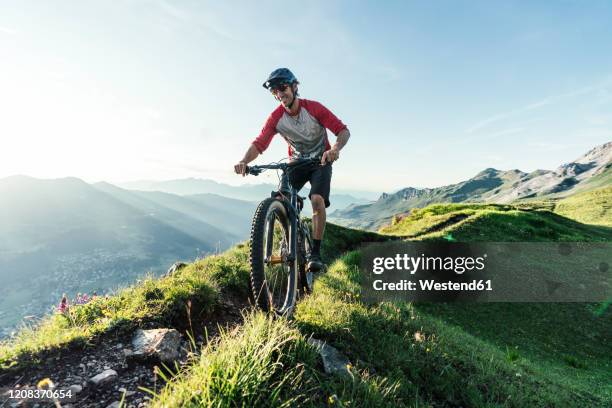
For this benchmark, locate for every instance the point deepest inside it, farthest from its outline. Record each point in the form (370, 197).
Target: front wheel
(273, 273)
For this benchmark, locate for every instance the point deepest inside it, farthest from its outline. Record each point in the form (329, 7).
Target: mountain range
(591, 170)
(340, 198)
(65, 235)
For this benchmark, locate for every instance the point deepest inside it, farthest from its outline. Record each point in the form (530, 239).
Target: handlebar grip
(254, 171)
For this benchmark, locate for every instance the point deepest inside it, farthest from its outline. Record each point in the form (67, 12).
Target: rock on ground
(104, 378)
(158, 344)
(334, 362)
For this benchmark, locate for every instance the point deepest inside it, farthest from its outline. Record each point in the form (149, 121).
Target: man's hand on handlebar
(330, 156)
(241, 168)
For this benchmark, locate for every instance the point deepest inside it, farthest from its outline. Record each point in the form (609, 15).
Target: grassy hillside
(589, 207)
(517, 355)
(477, 189)
(603, 179)
(405, 355)
(494, 222)
(161, 301)
(466, 354)
(402, 354)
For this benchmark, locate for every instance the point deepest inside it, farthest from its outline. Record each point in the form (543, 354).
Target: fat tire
(256, 258)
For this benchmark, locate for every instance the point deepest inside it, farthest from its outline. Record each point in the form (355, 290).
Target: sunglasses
(279, 88)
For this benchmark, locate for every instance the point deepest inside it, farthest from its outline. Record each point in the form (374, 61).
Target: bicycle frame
(294, 214)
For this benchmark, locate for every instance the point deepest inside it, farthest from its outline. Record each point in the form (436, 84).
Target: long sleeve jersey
(305, 132)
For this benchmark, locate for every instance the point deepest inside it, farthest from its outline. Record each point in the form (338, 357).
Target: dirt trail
(74, 366)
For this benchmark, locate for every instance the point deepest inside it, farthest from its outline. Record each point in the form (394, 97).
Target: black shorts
(318, 176)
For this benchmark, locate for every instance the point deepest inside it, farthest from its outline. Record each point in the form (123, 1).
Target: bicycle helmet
(280, 76)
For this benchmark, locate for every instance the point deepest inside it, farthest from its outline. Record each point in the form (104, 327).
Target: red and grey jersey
(305, 132)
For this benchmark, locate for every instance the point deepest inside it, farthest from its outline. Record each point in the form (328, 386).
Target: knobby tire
(271, 208)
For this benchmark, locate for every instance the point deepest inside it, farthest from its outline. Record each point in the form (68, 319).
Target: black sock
(316, 246)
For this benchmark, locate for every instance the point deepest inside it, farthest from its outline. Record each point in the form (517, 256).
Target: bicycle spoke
(276, 252)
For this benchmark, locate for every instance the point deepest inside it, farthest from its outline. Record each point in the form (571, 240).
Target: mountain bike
(280, 244)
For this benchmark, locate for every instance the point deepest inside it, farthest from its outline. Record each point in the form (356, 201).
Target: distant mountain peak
(592, 162)
(599, 155)
(23, 180)
(489, 185)
(489, 170)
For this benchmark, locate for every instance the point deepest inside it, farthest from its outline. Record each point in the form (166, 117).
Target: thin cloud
(488, 121)
(549, 100)
(174, 11)
(196, 20)
(538, 104)
(483, 136)
(506, 132)
(465, 140)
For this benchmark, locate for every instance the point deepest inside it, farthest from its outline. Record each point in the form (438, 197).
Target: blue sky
(433, 92)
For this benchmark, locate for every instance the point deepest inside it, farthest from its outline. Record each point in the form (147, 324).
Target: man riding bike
(302, 123)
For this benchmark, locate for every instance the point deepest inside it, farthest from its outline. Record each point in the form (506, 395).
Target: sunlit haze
(431, 92)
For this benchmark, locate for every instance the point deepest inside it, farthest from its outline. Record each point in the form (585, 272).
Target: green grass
(268, 363)
(590, 207)
(161, 300)
(436, 217)
(493, 223)
(601, 180)
(566, 342)
(257, 366)
(439, 359)
(402, 354)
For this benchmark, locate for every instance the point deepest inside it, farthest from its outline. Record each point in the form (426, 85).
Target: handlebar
(256, 170)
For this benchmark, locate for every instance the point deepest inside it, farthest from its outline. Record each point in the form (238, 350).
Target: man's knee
(318, 203)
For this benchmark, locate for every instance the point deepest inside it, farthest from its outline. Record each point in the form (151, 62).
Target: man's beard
(287, 102)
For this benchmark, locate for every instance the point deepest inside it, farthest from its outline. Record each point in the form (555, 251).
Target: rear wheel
(273, 274)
